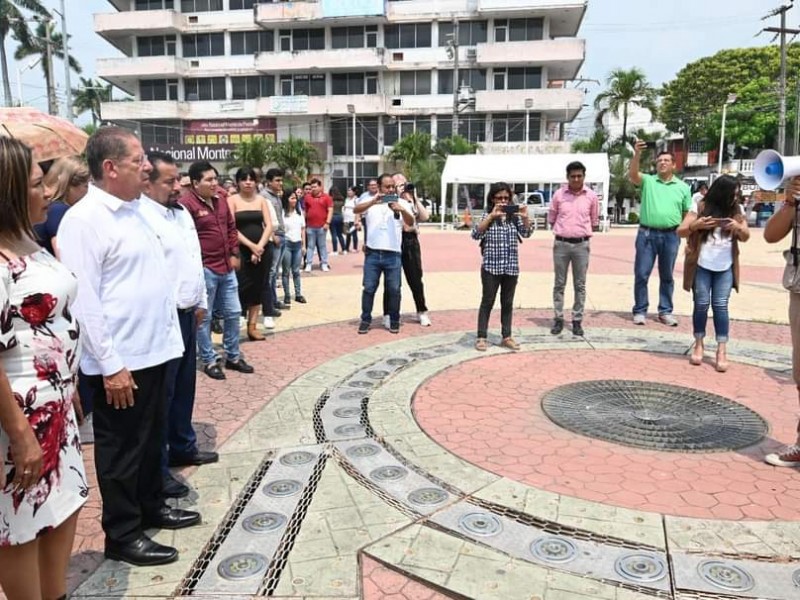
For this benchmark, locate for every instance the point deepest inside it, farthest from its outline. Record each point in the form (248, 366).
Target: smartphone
(511, 209)
(390, 198)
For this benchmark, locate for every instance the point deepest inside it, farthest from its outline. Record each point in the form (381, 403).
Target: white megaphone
(771, 169)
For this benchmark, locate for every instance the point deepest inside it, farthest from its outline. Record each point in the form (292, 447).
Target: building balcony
(345, 59)
(286, 12)
(373, 104)
(565, 15)
(125, 72)
(132, 22)
(170, 109)
(399, 105)
(559, 104)
(412, 10)
(220, 66)
(563, 57)
(303, 11)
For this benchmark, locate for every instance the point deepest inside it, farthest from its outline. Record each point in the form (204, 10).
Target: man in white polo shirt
(383, 215)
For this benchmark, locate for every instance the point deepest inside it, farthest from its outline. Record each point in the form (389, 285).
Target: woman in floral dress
(42, 480)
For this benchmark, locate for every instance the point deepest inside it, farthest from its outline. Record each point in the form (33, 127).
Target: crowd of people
(114, 270)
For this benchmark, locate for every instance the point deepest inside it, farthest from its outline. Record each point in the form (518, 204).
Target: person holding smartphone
(713, 229)
(500, 232)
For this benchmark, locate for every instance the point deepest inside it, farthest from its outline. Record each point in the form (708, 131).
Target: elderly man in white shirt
(175, 227)
(129, 330)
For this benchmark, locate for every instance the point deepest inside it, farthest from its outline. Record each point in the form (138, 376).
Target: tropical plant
(597, 142)
(89, 96)
(412, 150)
(36, 45)
(251, 153)
(12, 20)
(625, 89)
(297, 157)
(620, 184)
(455, 145)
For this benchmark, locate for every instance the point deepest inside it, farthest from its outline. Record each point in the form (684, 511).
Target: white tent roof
(518, 168)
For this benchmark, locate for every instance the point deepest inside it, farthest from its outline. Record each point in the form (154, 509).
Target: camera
(409, 187)
(390, 198)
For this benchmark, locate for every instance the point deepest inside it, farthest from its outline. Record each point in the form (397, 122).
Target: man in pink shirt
(573, 215)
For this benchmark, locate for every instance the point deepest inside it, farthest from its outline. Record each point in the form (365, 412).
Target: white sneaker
(639, 319)
(308, 268)
(325, 267)
(269, 323)
(387, 322)
(345, 252)
(424, 320)
(86, 430)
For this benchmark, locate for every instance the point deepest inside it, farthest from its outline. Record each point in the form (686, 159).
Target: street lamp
(351, 108)
(20, 71)
(729, 100)
(528, 107)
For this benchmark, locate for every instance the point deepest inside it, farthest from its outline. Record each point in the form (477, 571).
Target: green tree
(89, 96)
(412, 150)
(296, 156)
(455, 144)
(12, 20)
(597, 142)
(252, 153)
(625, 89)
(620, 184)
(36, 45)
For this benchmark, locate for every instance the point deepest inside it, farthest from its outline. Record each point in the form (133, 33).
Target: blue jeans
(712, 288)
(223, 296)
(391, 265)
(277, 258)
(337, 232)
(348, 236)
(180, 439)
(651, 245)
(315, 238)
(291, 262)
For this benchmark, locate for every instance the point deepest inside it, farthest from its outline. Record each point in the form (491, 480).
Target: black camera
(409, 187)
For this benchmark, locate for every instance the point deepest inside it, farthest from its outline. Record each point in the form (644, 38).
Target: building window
(302, 85)
(474, 78)
(518, 30)
(471, 127)
(348, 84)
(302, 39)
(163, 133)
(203, 44)
(518, 78)
(157, 45)
(355, 37)
(242, 4)
(396, 129)
(508, 127)
(415, 83)
(154, 4)
(189, 6)
(253, 87)
(470, 33)
(364, 172)
(407, 35)
(366, 136)
(158, 89)
(206, 88)
(252, 42)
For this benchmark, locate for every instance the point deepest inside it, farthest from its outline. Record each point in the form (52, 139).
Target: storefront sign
(281, 105)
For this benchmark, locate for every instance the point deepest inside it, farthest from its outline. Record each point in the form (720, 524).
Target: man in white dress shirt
(129, 331)
(182, 249)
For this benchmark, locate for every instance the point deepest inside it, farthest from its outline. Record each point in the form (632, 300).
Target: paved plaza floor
(411, 466)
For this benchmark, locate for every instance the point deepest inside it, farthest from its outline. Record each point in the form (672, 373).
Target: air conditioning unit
(472, 54)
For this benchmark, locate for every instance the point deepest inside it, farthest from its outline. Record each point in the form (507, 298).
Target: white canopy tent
(522, 168)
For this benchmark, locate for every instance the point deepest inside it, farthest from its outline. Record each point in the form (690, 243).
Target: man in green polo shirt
(665, 199)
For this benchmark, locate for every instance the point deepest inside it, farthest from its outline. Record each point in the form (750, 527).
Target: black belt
(658, 228)
(579, 240)
(183, 311)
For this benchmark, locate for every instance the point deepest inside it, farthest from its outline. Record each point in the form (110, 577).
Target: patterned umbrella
(47, 136)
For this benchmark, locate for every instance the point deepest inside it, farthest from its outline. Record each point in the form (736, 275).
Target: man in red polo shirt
(319, 212)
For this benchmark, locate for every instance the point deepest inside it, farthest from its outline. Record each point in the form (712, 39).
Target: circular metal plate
(359, 383)
(242, 566)
(397, 362)
(796, 578)
(655, 416)
(349, 429)
(725, 576)
(554, 549)
(388, 473)
(480, 523)
(264, 522)
(347, 412)
(427, 496)
(641, 568)
(363, 450)
(295, 459)
(283, 488)
(419, 354)
(351, 395)
(378, 374)
(441, 350)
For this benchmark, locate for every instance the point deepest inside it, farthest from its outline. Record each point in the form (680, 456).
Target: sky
(658, 36)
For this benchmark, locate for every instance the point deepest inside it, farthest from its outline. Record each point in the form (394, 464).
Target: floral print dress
(39, 351)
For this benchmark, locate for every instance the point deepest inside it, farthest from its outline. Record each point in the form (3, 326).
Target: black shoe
(279, 305)
(216, 326)
(200, 457)
(239, 365)
(300, 299)
(214, 371)
(142, 552)
(172, 488)
(394, 328)
(287, 302)
(577, 329)
(275, 313)
(558, 326)
(363, 327)
(171, 518)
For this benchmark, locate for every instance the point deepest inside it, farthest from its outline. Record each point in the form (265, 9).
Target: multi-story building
(205, 73)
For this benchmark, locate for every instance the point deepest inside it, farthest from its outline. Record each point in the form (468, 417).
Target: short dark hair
(575, 165)
(245, 172)
(383, 176)
(197, 169)
(273, 173)
(663, 152)
(315, 180)
(154, 157)
(305, 183)
(107, 143)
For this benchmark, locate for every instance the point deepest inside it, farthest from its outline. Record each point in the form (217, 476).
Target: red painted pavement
(382, 583)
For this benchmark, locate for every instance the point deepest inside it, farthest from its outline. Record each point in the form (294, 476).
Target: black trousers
(490, 283)
(127, 453)
(267, 295)
(412, 268)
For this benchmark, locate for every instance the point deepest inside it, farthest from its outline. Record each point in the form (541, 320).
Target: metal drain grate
(655, 416)
(319, 426)
(554, 549)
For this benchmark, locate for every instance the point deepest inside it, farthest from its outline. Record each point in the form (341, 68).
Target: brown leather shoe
(510, 344)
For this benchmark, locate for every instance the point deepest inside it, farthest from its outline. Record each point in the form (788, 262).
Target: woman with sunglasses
(500, 232)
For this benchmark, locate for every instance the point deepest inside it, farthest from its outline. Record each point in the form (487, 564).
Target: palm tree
(598, 142)
(625, 88)
(37, 46)
(455, 144)
(620, 183)
(89, 96)
(296, 156)
(412, 150)
(12, 19)
(252, 153)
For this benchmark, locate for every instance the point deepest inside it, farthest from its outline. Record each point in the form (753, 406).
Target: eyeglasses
(502, 197)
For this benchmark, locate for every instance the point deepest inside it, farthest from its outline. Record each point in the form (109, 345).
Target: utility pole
(52, 102)
(65, 52)
(456, 84)
(796, 138)
(781, 32)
